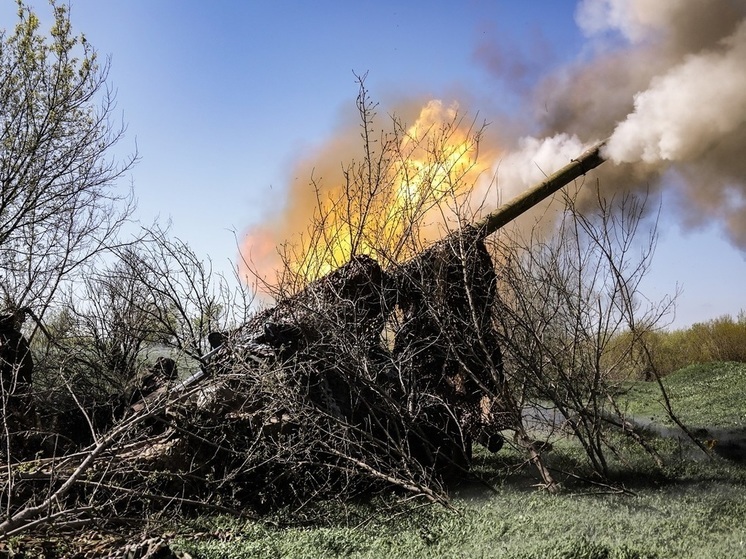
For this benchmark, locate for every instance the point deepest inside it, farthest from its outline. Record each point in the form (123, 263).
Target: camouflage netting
(307, 401)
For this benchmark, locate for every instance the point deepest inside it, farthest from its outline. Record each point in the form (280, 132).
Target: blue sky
(222, 99)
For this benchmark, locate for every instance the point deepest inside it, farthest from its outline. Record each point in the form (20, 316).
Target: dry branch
(306, 401)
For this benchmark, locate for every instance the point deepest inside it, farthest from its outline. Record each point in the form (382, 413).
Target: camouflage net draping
(364, 381)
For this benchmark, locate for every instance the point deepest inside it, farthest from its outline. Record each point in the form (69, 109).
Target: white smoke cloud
(533, 160)
(688, 108)
(665, 82)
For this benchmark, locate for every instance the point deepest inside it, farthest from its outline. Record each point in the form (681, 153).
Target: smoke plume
(667, 87)
(663, 81)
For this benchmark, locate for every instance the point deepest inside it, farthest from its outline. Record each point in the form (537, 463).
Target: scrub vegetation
(719, 339)
(342, 421)
(710, 395)
(695, 506)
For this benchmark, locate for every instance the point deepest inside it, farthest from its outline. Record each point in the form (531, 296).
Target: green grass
(688, 509)
(703, 518)
(709, 395)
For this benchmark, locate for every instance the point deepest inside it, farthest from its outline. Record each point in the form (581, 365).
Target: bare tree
(402, 193)
(155, 297)
(182, 299)
(572, 318)
(58, 207)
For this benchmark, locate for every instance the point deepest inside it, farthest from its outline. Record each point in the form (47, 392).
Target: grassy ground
(709, 395)
(698, 513)
(688, 509)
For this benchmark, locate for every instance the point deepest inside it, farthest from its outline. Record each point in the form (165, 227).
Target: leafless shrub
(156, 297)
(401, 194)
(572, 317)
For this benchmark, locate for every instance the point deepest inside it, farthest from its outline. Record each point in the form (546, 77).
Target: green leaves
(58, 203)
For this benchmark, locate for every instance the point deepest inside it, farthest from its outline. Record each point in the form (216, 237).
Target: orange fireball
(405, 188)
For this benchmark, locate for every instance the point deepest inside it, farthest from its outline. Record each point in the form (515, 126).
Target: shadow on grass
(633, 470)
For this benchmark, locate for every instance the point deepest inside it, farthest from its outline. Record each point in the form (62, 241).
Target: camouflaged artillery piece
(433, 391)
(367, 379)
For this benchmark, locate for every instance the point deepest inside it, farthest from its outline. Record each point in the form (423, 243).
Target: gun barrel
(526, 200)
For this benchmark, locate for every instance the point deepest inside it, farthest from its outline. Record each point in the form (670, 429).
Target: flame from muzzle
(670, 97)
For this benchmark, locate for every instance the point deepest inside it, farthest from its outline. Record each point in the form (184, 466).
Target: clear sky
(222, 98)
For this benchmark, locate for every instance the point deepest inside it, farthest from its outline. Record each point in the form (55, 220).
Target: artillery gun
(429, 389)
(506, 213)
(360, 290)
(439, 386)
(308, 400)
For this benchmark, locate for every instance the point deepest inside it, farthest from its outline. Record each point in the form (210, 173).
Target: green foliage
(635, 356)
(720, 339)
(59, 207)
(624, 357)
